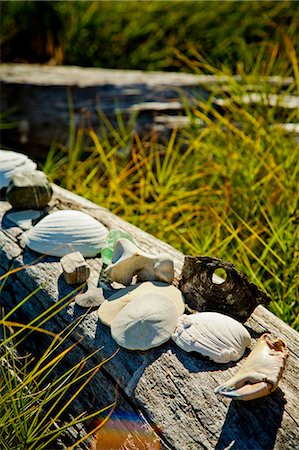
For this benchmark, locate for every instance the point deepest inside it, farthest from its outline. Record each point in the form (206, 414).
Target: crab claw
(261, 372)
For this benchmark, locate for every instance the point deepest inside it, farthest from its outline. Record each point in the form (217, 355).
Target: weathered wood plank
(171, 389)
(27, 90)
(48, 273)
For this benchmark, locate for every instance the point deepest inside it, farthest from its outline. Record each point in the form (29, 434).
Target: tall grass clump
(37, 392)
(226, 186)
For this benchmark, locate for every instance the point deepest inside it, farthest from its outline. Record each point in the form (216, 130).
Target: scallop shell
(12, 163)
(64, 232)
(214, 335)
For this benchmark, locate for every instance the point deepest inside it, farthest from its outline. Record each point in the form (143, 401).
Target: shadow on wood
(264, 416)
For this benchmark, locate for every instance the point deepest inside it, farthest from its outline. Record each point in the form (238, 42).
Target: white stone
(92, 297)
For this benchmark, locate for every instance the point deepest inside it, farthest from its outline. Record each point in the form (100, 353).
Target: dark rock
(235, 297)
(29, 190)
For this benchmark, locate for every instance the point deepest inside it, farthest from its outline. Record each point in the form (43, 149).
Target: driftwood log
(165, 391)
(38, 99)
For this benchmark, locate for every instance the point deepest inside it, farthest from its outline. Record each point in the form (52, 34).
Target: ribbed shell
(12, 163)
(64, 232)
(214, 335)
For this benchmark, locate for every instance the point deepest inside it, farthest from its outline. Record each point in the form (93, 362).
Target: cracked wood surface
(167, 389)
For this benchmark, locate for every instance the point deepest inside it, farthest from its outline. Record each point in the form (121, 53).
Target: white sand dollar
(145, 322)
(214, 335)
(115, 303)
(108, 310)
(68, 231)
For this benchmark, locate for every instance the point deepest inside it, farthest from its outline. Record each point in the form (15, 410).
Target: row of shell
(149, 313)
(12, 163)
(64, 232)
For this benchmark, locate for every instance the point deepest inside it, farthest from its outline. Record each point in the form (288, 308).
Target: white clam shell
(12, 163)
(145, 322)
(68, 231)
(214, 335)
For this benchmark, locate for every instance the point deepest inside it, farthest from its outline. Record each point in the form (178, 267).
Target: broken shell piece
(128, 260)
(111, 307)
(113, 236)
(261, 372)
(92, 297)
(29, 190)
(146, 322)
(12, 163)
(235, 296)
(219, 337)
(68, 231)
(75, 268)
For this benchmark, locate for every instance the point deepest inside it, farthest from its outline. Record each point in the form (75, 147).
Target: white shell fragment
(128, 260)
(12, 163)
(94, 296)
(146, 322)
(68, 231)
(111, 307)
(211, 334)
(261, 372)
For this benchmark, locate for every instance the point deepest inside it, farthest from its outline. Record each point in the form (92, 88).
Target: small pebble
(75, 268)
